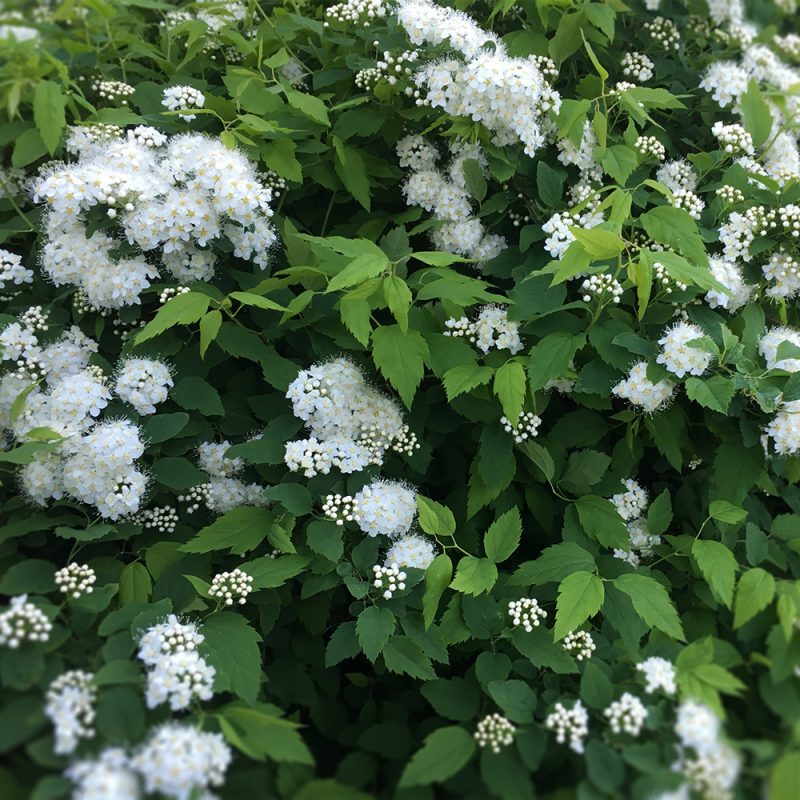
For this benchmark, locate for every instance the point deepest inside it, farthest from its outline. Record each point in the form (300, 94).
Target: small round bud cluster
(363, 11)
(526, 428)
(637, 66)
(694, 463)
(195, 497)
(390, 68)
(181, 98)
(405, 442)
(170, 292)
(390, 579)
(231, 587)
(663, 31)
(518, 219)
(729, 195)
(113, 90)
(579, 644)
(145, 136)
(650, 147)
(75, 579)
(495, 732)
(69, 704)
(340, 508)
(678, 356)
(23, 622)
(626, 715)
(658, 674)
(639, 390)
(733, 139)
(34, 318)
(601, 287)
(144, 383)
(572, 724)
(527, 613)
(368, 78)
(273, 181)
(83, 137)
(689, 202)
(790, 44)
(790, 219)
(667, 282)
(164, 519)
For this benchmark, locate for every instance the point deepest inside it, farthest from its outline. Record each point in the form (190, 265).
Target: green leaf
(270, 573)
(580, 596)
(756, 114)
(177, 473)
(437, 579)
(599, 243)
(209, 328)
(503, 536)
(342, 645)
(675, 228)
(549, 184)
(723, 511)
(434, 518)
(659, 515)
(715, 393)
(474, 180)
(515, 698)
(718, 566)
(195, 394)
(601, 521)
(161, 427)
(48, 113)
(444, 753)
(374, 627)
(231, 646)
(356, 314)
(352, 172)
(652, 603)
(240, 530)
(554, 564)
(404, 657)
(183, 309)
(398, 299)
(785, 777)
(400, 357)
(329, 789)
(262, 734)
(436, 258)
(135, 584)
(754, 592)
(464, 378)
(551, 357)
(509, 386)
(619, 162)
(309, 105)
(31, 576)
(474, 575)
(257, 301)
(360, 269)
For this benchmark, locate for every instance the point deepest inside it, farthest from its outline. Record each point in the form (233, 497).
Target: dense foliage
(400, 402)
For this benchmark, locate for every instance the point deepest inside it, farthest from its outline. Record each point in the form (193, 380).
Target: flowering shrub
(399, 401)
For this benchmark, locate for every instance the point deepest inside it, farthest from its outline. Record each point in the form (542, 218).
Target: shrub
(400, 401)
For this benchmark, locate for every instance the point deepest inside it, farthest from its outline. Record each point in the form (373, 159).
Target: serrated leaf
(135, 584)
(444, 753)
(554, 564)
(400, 357)
(652, 603)
(601, 521)
(434, 518)
(309, 105)
(437, 579)
(503, 536)
(675, 228)
(360, 269)
(231, 646)
(374, 627)
(48, 113)
(551, 357)
(464, 378)
(580, 596)
(718, 566)
(715, 393)
(240, 530)
(474, 575)
(398, 299)
(183, 309)
(509, 386)
(754, 592)
(723, 511)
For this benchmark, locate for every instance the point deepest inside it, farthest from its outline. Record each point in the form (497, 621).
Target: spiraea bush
(400, 400)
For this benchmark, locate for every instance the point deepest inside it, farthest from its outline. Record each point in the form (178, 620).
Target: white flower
(143, 382)
(726, 81)
(580, 644)
(678, 356)
(107, 777)
(231, 587)
(572, 724)
(181, 98)
(730, 276)
(411, 551)
(783, 269)
(386, 508)
(784, 429)
(659, 674)
(75, 579)
(626, 715)
(697, 726)
(491, 330)
(23, 622)
(771, 341)
(631, 503)
(69, 705)
(638, 390)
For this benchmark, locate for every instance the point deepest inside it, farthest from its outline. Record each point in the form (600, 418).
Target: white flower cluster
(491, 330)
(729, 195)
(678, 356)
(177, 672)
(390, 68)
(640, 391)
(637, 66)
(783, 270)
(730, 276)
(231, 587)
(677, 174)
(632, 503)
(601, 287)
(112, 90)
(445, 195)
(664, 32)
(558, 226)
(12, 271)
(352, 425)
(182, 98)
(770, 343)
(510, 96)
(143, 382)
(495, 732)
(411, 550)
(340, 508)
(642, 543)
(386, 508)
(526, 612)
(69, 704)
(362, 11)
(650, 147)
(75, 579)
(784, 429)
(23, 622)
(626, 715)
(579, 644)
(180, 761)
(569, 724)
(527, 427)
(742, 229)
(733, 139)
(223, 491)
(164, 519)
(177, 195)
(689, 202)
(389, 579)
(107, 777)
(658, 674)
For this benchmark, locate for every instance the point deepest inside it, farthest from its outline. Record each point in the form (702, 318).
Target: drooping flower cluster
(231, 587)
(352, 425)
(495, 732)
(631, 506)
(658, 674)
(510, 96)
(177, 672)
(170, 197)
(640, 391)
(491, 330)
(75, 579)
(23, 622)
(626, 715)
(444, 193)
(570, 725)
(69, 705)
(526, 612)
(411, 550)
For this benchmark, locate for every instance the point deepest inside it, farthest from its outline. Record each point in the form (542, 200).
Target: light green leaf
(48, 113)
(551, 357)
(434, 518)
(580, 596)
(309, 105)
(554, 564)
(754, 592)
(183, 309)
(509, 386)
(400, 356)
(601, 521)
(503, 536)
(723, 511)
(718, 566)
(240, 530)
(437, 579)
(464, 378)
(362, 268)
(474, 575)
(652, 603)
